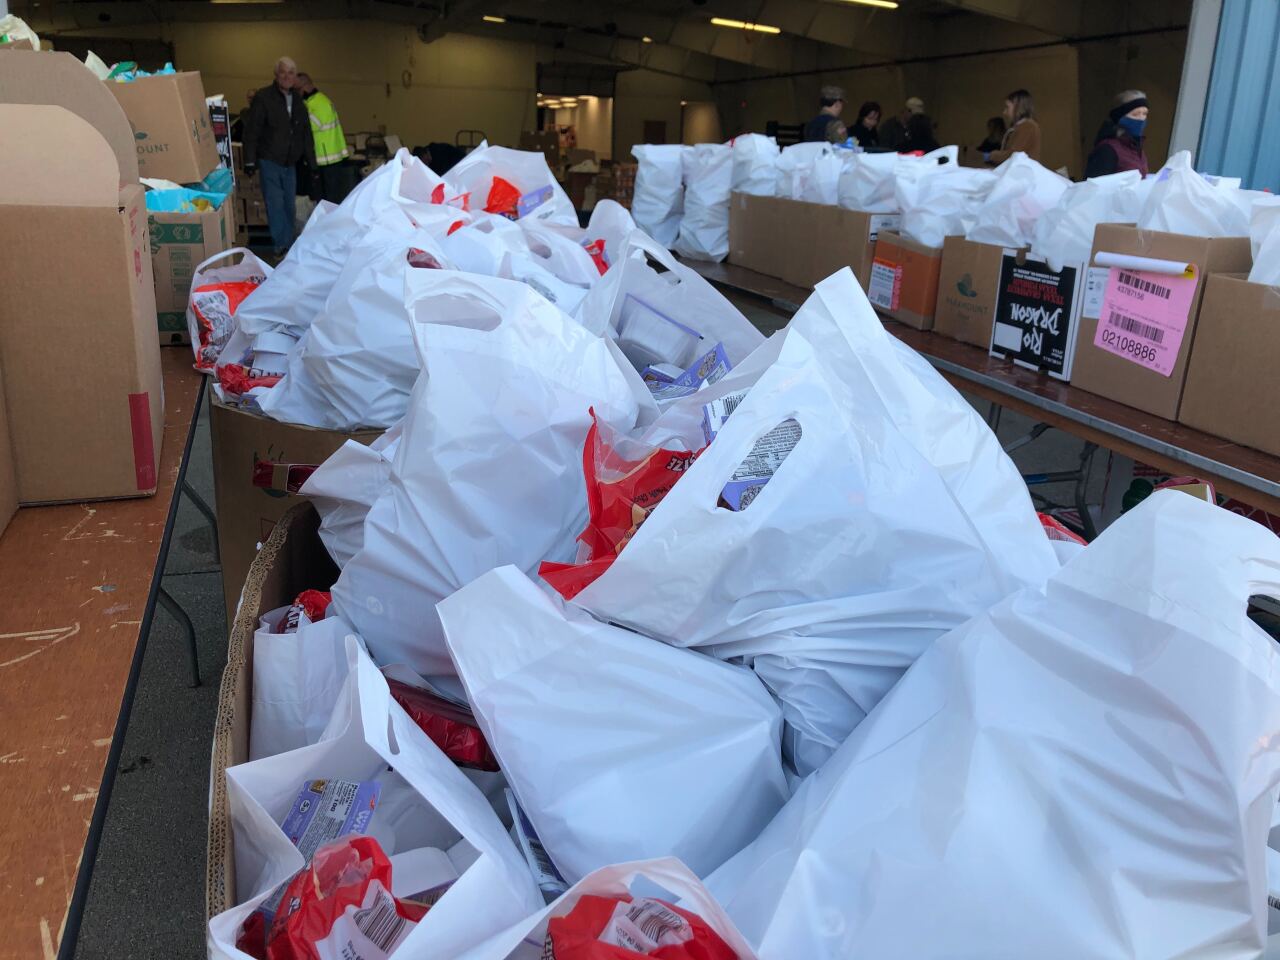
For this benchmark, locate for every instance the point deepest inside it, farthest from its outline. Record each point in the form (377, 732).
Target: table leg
(199, 503)
(176, 611)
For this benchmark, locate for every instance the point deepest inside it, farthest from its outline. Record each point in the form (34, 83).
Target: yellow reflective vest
(326, 130)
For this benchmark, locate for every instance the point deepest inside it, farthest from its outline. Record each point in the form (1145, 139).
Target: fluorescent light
(882, 4)
(646, 39)
(743, 25)
(246, 1)
(488, 18)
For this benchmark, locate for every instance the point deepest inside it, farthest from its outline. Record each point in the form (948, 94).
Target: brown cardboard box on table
(180, 242)
(1233, 388)
(170, 126)
(1119, 378)
(77, 321)
(904, 280)
(247, 513)
(8, 479)
(968, 287)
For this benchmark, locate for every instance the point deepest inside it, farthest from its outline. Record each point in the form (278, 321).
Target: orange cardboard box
(904, 280)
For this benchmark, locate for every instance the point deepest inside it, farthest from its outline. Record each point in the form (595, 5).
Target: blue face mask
(1132, 127)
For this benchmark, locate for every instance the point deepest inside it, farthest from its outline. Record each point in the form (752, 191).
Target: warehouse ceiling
(668, 36)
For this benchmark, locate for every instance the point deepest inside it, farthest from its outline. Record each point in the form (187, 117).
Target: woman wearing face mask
(1119, 144)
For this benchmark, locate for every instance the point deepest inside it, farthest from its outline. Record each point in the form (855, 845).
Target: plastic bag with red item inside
(309, 605)
(340, 905)
(504, 197)
(449, 727)
(625, 480)
(238, 382)
(620, 928)
(216, 293)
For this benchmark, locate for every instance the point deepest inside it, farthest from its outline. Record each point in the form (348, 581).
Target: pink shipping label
(1144, 316)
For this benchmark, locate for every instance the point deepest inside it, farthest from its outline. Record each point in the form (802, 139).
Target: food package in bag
(794, 165)
(511, 183)
(1100, 782)
(708, 179)
(1023, 192)
(868, 181)
(940, 201)
(1183, 201)
(1064, 234)
(1264, 238)
(755, 164)
(822, 182)
(658, 201)
(216, 294)
(345, 487)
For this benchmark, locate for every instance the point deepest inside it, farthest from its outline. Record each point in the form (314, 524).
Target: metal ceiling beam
(1060, 19)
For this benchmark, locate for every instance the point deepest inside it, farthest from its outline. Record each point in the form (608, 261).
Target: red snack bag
(504, 197)
(213, 305)
(341, 906)
(605, 928)
(237, 380)
(454, 227)
(450, 727)
(310, 603)
(596, 250)
(621, 493)
(1056, 530)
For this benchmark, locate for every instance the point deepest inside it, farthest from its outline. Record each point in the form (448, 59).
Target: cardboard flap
(60, 79)
(54, 158)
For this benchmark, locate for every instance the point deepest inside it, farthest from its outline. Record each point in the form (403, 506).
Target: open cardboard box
(968, 287)
(904, 280)
(77, 322)
(171, 127)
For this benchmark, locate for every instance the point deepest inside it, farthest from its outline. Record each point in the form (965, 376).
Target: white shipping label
(886, 280)
(1095, 285)
(644, 926)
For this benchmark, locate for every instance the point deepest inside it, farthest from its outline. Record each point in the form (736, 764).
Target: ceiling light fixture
(743, 25)
(882, 4)
(646, 39)
(246, 1)
(489, 18)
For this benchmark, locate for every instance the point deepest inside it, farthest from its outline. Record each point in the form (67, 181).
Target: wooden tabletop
(1240, 472)
(77, 583)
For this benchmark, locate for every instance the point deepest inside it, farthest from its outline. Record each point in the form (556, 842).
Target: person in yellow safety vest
(336, 175)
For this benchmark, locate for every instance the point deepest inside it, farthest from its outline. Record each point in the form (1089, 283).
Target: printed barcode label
(731, 402)
(1146, 286)
(644, 926)
(380, 923)
(1137, 327)
(654, 919)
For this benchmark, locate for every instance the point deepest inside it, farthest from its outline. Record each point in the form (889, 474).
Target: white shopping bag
(794, 165)
(489, 467)
(708, 180)
(822, 182)
(661, 311)
(611, 223)
(939, 201)
(560, 251)
(1023, 192)
(1264, 238)
(895, 518)
(1064, 234)
(617, 746)
(211, 307)
(1085, 770)
(541, 195)
(658, 201)
(755, 164)
(868, 182)
(355, 365)
(480, 246)
(666, 878)
(346, 486)
(297, 678)
(426, 803)
(1182, 201)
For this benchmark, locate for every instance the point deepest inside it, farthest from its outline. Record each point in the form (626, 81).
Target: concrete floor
(147, 898)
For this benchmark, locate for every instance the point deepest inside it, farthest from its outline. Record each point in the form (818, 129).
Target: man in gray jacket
(277, 134)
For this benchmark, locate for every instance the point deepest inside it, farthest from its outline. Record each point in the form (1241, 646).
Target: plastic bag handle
(639, 240)
(226, 253)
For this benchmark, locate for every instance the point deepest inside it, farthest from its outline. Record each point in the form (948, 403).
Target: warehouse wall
(644, 95)
(593, 120)
(701, 123)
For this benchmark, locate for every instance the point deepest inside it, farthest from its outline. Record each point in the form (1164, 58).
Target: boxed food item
(968, 284)
(77, 323)
(171, 127)
(1232, 388)
(1036, 312)
(903, 283)
(1138, 326)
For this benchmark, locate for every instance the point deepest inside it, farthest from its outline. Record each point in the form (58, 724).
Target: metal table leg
(199, 503)
(176, 611)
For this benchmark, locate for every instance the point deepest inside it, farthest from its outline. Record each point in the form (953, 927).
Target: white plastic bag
(1024, 190)
(560, 252)
(794, 165)
(673, 880)
(1082, 771)
(479, 246)
(658, 201)
(1264, 239)
(426, 803)
(211, 316)
(708, 178)
(822, 182)
(1182, 201)
(346, 486)
(868, 182)
(755, 164)
(526, 170)
(1064, 235)
(488, 470)
(618, 747)
(896, 517)
(673, 316)
(939, 201)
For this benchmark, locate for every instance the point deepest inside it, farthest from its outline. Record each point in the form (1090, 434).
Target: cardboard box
(968, 286)
(179, 243)
(1037, 310)
(291, 560)
(1232, 388)
(1126, 380)
(904, 280)
(77, 321)
(8, 478)
(253, 212)
(246, 514)
(171, 127)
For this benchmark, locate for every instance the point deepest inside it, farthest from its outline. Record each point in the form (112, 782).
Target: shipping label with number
(1144, 317)
(886, 284)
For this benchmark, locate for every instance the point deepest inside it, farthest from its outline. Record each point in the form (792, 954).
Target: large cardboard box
(77, 320)
(246, 513)
(1149, 381)
(291, 560)
(1037, 311)
(904, 280)
(179, 243)
(968, 286)
(1233, 385)
(171, 127)
(8, 479)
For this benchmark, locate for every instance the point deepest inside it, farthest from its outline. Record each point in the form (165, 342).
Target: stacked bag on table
(656, 638)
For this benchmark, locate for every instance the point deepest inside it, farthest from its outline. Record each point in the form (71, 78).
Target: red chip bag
(341, 906)
(449, 727)
(596, 250)
(621, 493)
(236, 379)
(454, 227)
(1054, 529)
(504, 198)
(213, 305)
(310, 603)
(608, 928)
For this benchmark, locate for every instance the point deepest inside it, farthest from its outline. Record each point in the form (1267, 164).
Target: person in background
(919, 135)
(237, 125)
(832, 99)
(995, 135)
(837, 132)
(277, 134)
(1023, 134)
(893, 132)
(1119, 143)
(329, 141)
(864, 128)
